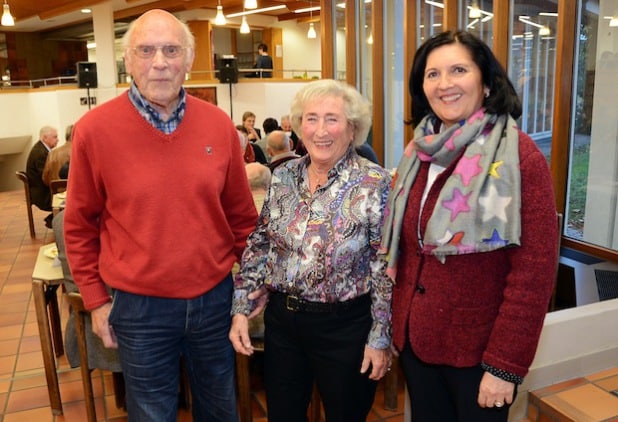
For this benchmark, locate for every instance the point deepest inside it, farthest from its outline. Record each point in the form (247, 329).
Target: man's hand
(239, 335)
(101, 327)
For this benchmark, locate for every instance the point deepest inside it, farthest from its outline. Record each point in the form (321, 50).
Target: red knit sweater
(486, 307)
(155, 214)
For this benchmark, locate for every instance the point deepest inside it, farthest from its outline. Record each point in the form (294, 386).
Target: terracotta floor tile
(27, 382)
(9, 347)
(74, 412)
(28, 399)
(5, 386)
(29, 361)
(111, 410)
(585, 403)
(15, 318)
(7, 364)
(30, 344)
(14, 307)
(608, 384)
(11, 331)
(31, 329)
(603, 374)
(42, 414)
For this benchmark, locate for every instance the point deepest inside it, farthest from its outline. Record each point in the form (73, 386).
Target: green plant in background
(578, 188)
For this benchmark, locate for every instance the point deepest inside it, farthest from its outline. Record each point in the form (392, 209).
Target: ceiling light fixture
(250, 4)
(307, 9)
(220, 18)
(7, 18)
(311, 33)
(475, 11)
(252, 12)
(244, 26)
(613, 22)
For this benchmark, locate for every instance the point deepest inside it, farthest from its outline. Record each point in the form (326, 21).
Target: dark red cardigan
(486, 307)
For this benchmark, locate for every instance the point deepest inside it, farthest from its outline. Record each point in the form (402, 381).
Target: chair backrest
(57, 186)
(24, 178)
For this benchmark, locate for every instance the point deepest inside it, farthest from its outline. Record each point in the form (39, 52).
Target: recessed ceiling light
(85, 10)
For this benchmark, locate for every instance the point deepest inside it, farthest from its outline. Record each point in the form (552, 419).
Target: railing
(37, 83)
(259, 73)
(197, 74)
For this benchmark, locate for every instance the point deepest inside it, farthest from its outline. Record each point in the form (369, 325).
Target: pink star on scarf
(458, 203)
(467, 168)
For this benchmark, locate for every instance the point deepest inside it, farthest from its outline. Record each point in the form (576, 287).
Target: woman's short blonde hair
(356, 108)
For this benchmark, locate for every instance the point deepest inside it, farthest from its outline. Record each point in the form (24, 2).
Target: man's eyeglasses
(149, 51)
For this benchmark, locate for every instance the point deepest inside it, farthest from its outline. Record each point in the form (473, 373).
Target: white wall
(27, 112)
(574, 342)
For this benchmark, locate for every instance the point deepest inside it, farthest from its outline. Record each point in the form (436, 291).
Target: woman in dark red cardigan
(471, 237)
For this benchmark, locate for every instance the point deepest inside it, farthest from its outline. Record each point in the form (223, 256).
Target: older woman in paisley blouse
(313, 259)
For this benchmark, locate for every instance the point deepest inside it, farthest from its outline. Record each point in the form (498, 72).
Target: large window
(532, 67)
(593, 163)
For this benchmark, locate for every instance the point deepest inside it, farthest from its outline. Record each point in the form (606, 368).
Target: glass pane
(365, 47)
(478, 18)
(340, 44)
(593, 166)
(532, 64)
(430, 15)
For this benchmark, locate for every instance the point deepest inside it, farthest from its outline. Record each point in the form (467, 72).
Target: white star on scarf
(494, 205)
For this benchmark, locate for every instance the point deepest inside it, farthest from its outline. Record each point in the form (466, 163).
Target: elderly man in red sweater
(159, 210)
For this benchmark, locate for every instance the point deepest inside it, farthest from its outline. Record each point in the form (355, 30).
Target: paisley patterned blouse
(322, 247)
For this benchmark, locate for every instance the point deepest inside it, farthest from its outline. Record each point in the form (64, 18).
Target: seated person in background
(57, 158)
(279, 149)
(264, 61)
(251, 152)
(248, 121)
(365, 151)
(99, 356)
(268, 125)
(286, 126)
(40, 195)
(258, 176)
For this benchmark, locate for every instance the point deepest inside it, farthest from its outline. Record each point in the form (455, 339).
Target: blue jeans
(154, 332)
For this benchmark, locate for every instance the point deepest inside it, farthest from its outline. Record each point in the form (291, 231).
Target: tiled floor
(586, 399)
(23, 388)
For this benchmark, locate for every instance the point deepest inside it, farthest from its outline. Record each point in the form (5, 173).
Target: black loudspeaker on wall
(228, 71)
(87, 74)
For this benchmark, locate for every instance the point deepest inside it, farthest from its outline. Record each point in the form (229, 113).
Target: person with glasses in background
(159, 214)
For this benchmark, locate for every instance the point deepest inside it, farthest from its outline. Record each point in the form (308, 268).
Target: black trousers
(444, 393)
(301, 348)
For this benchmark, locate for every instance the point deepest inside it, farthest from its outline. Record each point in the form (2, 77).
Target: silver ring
(498, 404)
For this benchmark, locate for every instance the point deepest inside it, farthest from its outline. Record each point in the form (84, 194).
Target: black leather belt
(295, 304)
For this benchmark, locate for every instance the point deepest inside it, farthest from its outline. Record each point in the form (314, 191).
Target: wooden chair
(57, 186)
(76, 303)
(24, 178)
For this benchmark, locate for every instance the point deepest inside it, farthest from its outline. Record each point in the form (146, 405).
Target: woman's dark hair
(502, 96)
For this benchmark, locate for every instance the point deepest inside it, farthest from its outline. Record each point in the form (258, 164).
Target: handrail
(71, 80)
(36, 83)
